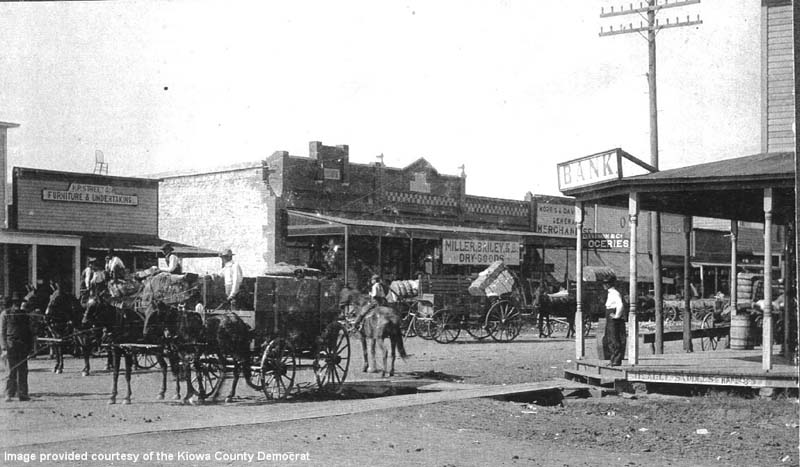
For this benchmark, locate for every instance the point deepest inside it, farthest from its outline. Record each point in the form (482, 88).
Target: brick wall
(220, 210)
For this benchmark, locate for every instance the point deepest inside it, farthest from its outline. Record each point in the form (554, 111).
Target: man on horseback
(377, 296)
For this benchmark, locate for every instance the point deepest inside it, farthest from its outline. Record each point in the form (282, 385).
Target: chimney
(4, 126)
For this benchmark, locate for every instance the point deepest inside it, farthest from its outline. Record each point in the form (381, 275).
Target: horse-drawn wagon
(493, 306)
(293, 325)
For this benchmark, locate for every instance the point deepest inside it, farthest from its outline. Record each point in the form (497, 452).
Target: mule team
(180, 334)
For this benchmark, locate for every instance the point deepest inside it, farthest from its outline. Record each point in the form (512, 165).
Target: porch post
(76, 268)
(785, 352)
(380, 256)
(687, 289)
(580, 350)
(734, 269)
(33, 256)
(633, 322)
(5, 267)
(346, 253)
(766, 338)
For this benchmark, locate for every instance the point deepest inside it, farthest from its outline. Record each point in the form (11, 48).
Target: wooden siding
(778, 76)
(34, 213)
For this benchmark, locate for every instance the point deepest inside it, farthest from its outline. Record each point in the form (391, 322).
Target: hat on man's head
(376, 277)
(226, 252)
(167, 247)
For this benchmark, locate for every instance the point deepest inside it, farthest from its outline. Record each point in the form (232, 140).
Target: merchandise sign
(556, 220)
(85, 193)
(478, 252)
(606, 241)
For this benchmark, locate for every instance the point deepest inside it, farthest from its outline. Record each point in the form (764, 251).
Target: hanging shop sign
(606, 241)
(86, 193)
(556, 220)
(479, 252)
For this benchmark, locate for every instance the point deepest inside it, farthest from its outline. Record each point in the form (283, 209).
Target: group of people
(113, 269)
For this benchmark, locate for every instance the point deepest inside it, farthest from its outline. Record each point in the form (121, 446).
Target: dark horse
(559, 305)
(177, 333)
(379, 323)
(64, 320)
(224, 335)
(120, 326)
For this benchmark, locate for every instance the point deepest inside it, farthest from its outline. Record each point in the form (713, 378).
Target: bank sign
(479, 252)
(589, 170)
(86, 193)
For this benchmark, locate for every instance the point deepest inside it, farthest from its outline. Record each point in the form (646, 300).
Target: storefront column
(579, 341)
(766, 340)
(411, 270)
(33, 259)
(346, 253)
(6, 290)
(687, 286)
(734, 270)
(380, 256)
(633, 322)
(785, 276)
(76, 268)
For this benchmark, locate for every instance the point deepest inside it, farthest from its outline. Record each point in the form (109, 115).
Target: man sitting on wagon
(173, 261)
(232, 275)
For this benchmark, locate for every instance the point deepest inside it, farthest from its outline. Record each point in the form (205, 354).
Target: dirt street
(69, 423)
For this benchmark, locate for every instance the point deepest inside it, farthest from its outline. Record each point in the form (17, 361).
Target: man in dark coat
(16, 341)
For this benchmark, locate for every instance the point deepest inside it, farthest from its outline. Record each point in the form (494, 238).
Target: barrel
(740, 332)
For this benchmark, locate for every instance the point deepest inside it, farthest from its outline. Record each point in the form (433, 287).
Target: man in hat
(173, 261)
(87, 276)
(377, 295)
(232, 275)
(615, 321)
(115, 268)
(16, 342)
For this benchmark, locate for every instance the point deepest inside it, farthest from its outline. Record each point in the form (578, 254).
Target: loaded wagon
(294, 325)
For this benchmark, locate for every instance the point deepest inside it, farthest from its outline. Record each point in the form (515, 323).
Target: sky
(508, 88)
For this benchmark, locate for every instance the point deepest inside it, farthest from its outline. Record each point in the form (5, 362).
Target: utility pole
(651, 28)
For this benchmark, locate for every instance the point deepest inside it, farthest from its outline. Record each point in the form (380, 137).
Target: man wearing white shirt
(114, 266)
(173, 261)
(615, 321)
(232, 275)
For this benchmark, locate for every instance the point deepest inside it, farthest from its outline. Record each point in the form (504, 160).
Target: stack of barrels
(405, 289)
(742, 334)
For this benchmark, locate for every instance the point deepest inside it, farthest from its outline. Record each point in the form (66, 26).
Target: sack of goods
(494, 280)
(405, 289)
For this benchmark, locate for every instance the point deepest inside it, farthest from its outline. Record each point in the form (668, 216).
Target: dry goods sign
(479, 252)
(85, 193)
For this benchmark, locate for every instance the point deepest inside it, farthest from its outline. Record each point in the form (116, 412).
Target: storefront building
(57, 220)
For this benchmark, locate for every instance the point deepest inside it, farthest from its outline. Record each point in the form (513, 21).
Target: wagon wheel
(504, 320)
(477, 329)
(277, 369)
(333, 358)
(708, 343)
(672, 313)
(207, 374)
(444, 326)
(145, 360)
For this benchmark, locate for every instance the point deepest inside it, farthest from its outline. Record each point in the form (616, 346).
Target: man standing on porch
(615, 322)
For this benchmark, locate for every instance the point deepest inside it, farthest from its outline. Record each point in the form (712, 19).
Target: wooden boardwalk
(737, 368)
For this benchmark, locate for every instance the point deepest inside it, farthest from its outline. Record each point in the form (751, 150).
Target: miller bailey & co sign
(479, 252)
(86, 193)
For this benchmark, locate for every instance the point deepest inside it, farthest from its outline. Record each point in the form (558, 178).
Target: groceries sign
(589, 170)
(479, 252)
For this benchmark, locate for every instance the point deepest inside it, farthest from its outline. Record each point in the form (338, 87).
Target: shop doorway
(56, 263)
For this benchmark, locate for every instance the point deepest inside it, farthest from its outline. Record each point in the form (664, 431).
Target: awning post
(766, 344)
(633, 322)
(687, 289)
(579, 341)
(734, 273)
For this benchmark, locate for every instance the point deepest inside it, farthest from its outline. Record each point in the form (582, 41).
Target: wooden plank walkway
(741, 368)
